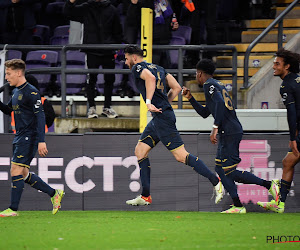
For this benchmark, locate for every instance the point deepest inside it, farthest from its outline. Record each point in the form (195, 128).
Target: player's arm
(289, 102)
(175, 88)
(201, 110)
(6, 108)
(40, 115)
(292, 122)
(219, 111)
(150, 83)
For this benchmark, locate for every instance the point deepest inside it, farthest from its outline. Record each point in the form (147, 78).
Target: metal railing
(63, 70)
(278, 20)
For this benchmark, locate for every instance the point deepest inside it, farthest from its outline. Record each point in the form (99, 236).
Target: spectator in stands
(76, 28)
(17, 21)
(162, 26)
(101, 26)
(209, 9)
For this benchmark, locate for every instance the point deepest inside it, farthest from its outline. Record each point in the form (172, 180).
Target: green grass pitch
(146, 230)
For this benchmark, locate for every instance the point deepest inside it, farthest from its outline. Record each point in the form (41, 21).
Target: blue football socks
(36, 182)
(201, 168)
(16, 191)
(145, 171)
(284, 189)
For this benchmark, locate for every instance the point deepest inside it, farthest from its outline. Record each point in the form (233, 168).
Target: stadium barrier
(99, 171)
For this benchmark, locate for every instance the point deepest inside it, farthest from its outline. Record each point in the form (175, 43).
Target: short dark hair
(15, 64)
(207, 66)
(133, 50)
(293, 59)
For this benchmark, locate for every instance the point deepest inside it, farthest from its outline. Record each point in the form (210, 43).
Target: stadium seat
(13, 54)
(42, 59)
(63, 30)
(185, 32)
(175, 40)
(74, 82)
(59, 40)
(41, 34)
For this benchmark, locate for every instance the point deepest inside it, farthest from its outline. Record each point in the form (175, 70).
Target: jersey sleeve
(39, 113)
(287, 95)
(203, 111)
(6, 108)
(216, 96)
(137, 70)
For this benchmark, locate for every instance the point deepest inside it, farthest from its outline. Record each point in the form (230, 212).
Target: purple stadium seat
(75, 82)
(118, 79)
(185, 32)
(175, 40)
(41, 59)
(41, 34)
(13, 54)
(63, 30)
(59, 40)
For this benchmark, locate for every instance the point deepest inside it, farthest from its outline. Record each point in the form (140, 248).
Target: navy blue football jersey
(28, 113)
(160, 98)
(290, 93)
(215, 95)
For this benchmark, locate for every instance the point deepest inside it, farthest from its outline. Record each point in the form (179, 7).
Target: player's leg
(17, 187)
(37, 183)
(288, 168)
(232, 145)
(288, 163)
(147, 141)
(229, 164)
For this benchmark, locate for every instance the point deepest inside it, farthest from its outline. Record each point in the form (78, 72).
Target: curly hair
(207, 66)
(291, 58)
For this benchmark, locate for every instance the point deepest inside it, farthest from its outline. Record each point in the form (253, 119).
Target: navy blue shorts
(23, 153)
(228, 154)
(162, 128)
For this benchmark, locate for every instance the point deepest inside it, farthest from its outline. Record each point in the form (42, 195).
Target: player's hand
(186, 92)
(213, 136)
(294, 148)
(43, 151)
(152, 108)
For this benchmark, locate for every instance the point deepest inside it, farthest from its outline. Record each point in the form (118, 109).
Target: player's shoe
(140, 201)
(235, 210)
(219, 192)
(275, 190)
(8, 213)
(56, 199)
(273, 206)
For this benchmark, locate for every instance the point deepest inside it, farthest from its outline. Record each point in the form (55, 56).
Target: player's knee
(140, 153)
(179, 158)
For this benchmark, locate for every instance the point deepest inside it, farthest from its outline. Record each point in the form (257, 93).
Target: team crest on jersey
(138, 68)
(211, 89)
(297, 79)
(20, 97)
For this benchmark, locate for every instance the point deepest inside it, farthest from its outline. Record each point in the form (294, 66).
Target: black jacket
(27, 13)
(101, 22)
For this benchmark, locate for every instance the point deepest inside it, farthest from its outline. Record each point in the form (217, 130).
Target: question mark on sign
(135, 175)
